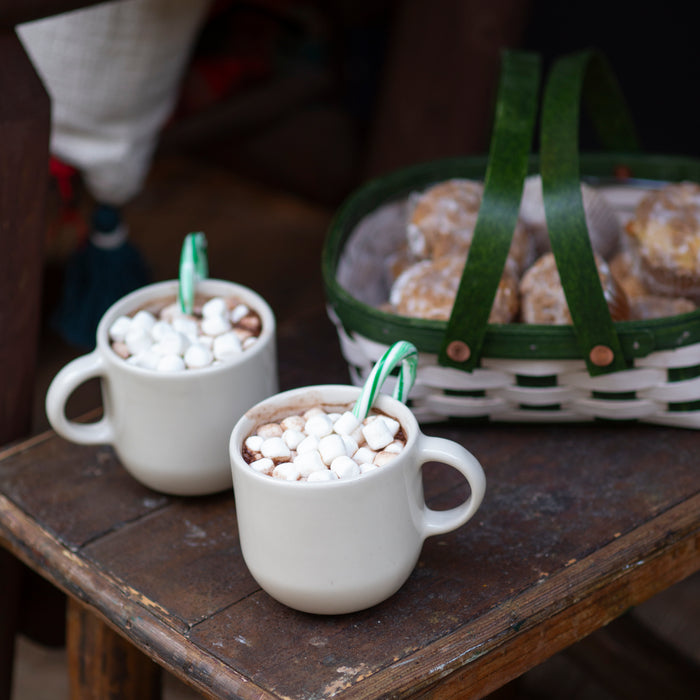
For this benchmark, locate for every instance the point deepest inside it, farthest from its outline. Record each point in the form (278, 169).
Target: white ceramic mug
(169, 429)
(340, 546)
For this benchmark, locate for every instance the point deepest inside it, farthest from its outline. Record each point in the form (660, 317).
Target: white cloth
(113, 72)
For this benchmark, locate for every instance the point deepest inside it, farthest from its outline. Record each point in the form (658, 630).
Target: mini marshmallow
(309, 462)
(214, 307)
(347, 423)
(269, 430)
(396, 447)
(322, 475)
(366, 467)
(264, 465)
(357, 435)
(170, 363)
(364, 454)
(215, 325)
(334, 417)
(226, 345)
(293, 423)
(251, 322)
(315, 411)
(159, 329)
(319, 425)
(254, 443)
(187, 326)
(119, 328)
(197, 356)
(171, 312)
(143, 319)
(172, 343)
(308, 444)
(242, 334)
(275, 448)
(121, 349)
(293, 438)
(239, 312)
(391, 424)
(330, 447)
(345, 467)
(248, 342)
(383, 457)
(146, 359)
(286, 471)
(350, 445)
(377, 434)
(137, 339)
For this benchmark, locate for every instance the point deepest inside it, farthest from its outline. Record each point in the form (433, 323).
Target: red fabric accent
(69, 218)
(63, 174)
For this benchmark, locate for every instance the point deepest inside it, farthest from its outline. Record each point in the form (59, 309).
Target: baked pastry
(643, 304)
(542, 299)
(647, 306)
(427, 289)
(665, 237)
(624, 269)
(442, 220)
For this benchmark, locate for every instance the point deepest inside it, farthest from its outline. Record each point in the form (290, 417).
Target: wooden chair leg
(102, 664)
(24, 177)
(24, 125)
(9, 617)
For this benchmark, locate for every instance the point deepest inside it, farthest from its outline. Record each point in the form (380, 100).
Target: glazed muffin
(665, 238)
(427, 290)
(648, 306)
(643, 304)
(625, 269)
(442, 219)
(542, 299)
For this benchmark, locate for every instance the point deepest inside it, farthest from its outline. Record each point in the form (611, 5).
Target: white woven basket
(522, 390)
(499, 390)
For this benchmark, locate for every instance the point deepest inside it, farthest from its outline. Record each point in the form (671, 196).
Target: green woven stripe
(511, 142)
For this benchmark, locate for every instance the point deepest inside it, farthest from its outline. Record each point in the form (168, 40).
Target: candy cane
(193, 268)
(401, 352)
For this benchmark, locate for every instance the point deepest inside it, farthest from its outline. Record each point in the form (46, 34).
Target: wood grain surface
(579, 523)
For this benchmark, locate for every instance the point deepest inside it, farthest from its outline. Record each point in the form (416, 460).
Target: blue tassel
(102, 271)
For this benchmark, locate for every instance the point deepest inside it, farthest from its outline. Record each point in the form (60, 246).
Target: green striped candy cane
(401, 352)
(193, 268)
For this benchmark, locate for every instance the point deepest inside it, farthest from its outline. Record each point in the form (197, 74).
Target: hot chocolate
(160, 336)
(324, 443)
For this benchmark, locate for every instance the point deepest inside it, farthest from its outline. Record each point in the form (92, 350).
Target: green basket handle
(511, 144)
(580, 74)
(584, 74)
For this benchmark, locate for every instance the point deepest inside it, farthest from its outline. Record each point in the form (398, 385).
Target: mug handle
(437, 522)
(68, 379)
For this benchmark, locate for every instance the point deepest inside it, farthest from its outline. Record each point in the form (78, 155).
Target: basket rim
(516, 340)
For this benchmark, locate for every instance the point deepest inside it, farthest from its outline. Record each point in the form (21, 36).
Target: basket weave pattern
(541, 390)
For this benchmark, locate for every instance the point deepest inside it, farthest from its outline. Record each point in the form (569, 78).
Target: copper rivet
(623, 172)
(458, 351)
(601, 355)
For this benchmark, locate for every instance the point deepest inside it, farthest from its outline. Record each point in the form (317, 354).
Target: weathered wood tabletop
(578, 524)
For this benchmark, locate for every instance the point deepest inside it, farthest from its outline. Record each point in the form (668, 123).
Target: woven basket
(470, 369)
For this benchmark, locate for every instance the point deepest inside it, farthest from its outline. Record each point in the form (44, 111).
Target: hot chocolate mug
(169, 429)
(340, 546)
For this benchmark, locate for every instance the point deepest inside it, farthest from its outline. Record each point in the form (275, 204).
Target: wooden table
(579, 523)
